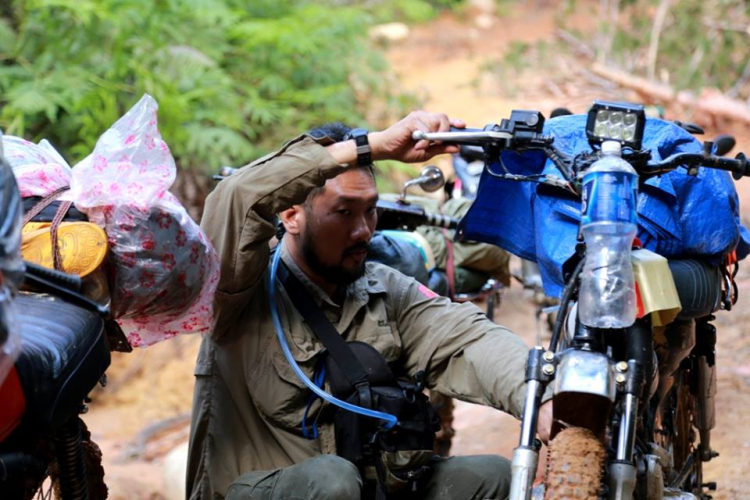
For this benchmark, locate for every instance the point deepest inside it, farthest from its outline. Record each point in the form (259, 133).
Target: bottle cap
(611, 148)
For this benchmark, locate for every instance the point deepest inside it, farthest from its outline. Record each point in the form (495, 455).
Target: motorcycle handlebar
(439, 220)
(407, 216)
(738, 166)
(462, 136)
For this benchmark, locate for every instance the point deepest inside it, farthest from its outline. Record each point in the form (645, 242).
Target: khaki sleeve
(464, 354)
(238, 216)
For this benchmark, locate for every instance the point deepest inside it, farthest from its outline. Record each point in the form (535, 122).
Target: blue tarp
(678, 215)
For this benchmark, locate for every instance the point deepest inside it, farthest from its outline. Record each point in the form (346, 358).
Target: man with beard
(248, 439)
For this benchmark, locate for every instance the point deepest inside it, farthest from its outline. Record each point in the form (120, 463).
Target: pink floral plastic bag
(39, 169)
(130, 166)
(163, 269)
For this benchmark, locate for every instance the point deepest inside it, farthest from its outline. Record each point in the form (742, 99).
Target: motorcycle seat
(64, 353)
(698, 286)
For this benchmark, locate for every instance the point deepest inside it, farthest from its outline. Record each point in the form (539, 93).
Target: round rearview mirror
(431, 179)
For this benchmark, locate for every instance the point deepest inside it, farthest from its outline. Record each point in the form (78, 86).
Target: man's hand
(544, 422)
(396, 143)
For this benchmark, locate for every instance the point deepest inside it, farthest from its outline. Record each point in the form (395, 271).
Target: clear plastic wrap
(163, 270)
(39, 169)
(10, 339)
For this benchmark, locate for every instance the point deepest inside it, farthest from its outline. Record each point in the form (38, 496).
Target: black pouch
(400, 455)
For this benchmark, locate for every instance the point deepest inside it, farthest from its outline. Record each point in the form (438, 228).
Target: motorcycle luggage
(698, 286)
(82, 246)
(667, 226)
(63, 355)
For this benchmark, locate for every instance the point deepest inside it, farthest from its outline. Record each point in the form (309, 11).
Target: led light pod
(616, 121)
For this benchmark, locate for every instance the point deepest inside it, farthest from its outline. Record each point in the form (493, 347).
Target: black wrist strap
(337, 347)
(364, 153)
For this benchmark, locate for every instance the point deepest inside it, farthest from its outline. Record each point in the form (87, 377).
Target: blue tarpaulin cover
(678, 215)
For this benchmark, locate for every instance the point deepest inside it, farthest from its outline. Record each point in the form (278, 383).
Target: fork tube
(626, 439)
(526, 455)
(530, 413)
(622, 472)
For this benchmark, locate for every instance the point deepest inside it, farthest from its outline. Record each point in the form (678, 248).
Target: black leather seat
(64, 354)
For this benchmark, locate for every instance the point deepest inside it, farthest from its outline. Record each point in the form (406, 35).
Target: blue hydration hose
(389, 420)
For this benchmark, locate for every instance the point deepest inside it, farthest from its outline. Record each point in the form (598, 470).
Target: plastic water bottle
(609, 223)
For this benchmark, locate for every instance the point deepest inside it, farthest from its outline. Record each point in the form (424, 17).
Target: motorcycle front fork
(622, 472)
(629, 378)
(540, 369)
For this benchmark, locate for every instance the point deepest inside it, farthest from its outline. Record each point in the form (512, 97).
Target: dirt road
(442, 62)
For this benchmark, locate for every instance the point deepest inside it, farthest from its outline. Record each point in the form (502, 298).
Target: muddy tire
(94, 469)
(575, 464)
(48, 486)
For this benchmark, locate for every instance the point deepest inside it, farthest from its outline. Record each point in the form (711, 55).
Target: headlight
(616, 121)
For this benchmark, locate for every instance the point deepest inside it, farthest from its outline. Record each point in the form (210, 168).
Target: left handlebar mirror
(431, 179)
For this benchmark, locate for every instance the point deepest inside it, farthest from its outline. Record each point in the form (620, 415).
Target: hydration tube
(389, 420)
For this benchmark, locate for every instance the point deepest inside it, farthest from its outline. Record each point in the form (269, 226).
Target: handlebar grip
(472, 153)
(439, 220)
(68, 281)
(742, 169)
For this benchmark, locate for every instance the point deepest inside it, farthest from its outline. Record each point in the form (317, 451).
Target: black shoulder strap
(337, 347)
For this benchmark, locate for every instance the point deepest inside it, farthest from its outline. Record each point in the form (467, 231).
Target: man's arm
(238, 214)
(464, 355)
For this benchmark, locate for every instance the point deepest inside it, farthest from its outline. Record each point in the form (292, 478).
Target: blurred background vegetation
(234, 78)
(689, 44)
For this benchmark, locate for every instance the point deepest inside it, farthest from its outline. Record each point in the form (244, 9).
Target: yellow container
(83, 246)
(657, 294)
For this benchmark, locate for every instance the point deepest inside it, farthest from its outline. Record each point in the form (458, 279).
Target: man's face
(337, 227)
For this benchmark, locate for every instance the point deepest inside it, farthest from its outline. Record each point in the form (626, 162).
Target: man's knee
(495, 472)
(325, 477)
(475, 476)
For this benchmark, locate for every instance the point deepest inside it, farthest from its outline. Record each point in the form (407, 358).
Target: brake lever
(463, 137)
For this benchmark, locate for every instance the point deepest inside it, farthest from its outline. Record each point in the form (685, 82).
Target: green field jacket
(248, 403)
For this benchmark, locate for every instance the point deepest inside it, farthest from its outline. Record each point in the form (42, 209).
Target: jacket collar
(357, 293)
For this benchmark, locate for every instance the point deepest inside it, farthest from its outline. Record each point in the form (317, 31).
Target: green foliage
(414, 11)
(233, 78)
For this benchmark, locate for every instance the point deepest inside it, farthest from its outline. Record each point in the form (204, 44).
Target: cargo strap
(56, 220)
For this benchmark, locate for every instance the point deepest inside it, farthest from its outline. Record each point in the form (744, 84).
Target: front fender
(584, 391)
(585, 372)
